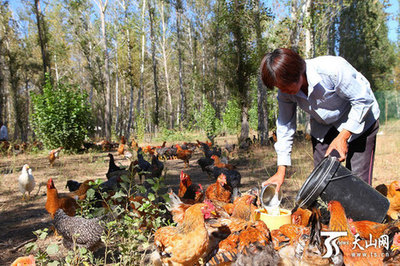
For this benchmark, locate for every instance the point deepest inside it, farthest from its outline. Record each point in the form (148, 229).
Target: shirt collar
(313, 78)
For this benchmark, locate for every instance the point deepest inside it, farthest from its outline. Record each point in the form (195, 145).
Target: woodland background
(159, 67)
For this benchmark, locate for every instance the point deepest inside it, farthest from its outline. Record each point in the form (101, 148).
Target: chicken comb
(209, 204)
(201, 187)
(50, 183)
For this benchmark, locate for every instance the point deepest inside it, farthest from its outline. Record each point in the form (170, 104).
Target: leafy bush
(128, 232)
(231, 117)
(209, 122)
(140, 126)
(61, 116)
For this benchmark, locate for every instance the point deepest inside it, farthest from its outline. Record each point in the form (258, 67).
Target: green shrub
(140, 126)
(209, 121)
(231, 117)
(61, 116)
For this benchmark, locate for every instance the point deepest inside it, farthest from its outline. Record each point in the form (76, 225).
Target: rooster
(26, 181)
(184, 155)
(53, 155)
(55, 202)
(339, 222)
(186, 243)
(219, 191)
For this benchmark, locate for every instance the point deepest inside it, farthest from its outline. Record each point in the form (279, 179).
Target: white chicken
(26, 181)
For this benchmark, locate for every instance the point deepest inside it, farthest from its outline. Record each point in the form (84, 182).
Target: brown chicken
(184, 155)
(367, 228)
(338, 222)
(134, 145)
(301, 216)
(184, 183)
(81, 192)
(55, 202)
(244, 245)
(302, 245)
(53, 155)
(186, 243)
(219, 190)
(392, 192)
(121, 149)
(177, 207)
(219, 164)
(24, 261)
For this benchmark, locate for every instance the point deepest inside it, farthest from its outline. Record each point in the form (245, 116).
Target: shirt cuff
(284, 159)
(353, 126)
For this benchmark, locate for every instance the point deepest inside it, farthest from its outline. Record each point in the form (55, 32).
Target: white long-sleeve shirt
(3, 133)
(338, 95)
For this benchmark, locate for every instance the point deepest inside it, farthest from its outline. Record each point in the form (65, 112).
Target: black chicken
(112, 167)
(73, 185)
(144, 165)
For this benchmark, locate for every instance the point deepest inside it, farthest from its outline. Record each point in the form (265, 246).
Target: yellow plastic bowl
(274, 221)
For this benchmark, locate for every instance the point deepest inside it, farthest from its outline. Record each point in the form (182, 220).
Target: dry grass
(18, 219)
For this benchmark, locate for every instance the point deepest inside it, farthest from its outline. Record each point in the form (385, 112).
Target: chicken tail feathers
(316, 227)
(220, 258)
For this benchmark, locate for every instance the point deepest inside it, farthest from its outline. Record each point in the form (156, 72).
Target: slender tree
(107, 120)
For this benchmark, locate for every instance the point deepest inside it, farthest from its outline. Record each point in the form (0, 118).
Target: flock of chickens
(218, 225)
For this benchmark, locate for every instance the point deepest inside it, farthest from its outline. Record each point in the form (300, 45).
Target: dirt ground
(18, 219)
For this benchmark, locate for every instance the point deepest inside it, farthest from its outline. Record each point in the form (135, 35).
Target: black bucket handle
(340, 177)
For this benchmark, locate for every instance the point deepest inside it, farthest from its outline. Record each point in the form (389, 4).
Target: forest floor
(18, 219)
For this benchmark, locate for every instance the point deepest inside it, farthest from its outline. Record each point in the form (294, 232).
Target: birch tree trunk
(164, 54)
(140, 100)
(107, 118)
(262, 127)
(130, 68)
(117, 123)
(153, 58)
(178, 32)
(308, 36)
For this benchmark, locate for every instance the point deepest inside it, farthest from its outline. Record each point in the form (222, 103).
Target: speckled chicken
(86, 232)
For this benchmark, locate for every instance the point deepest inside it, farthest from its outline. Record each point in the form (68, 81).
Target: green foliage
(209, 122)
(128, 229)
(140, 126)
(253, 111)
(61, 116)
(231, 117)
(364, 42)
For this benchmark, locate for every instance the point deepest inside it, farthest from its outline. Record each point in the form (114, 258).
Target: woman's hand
(340, 144)
(277, 178)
